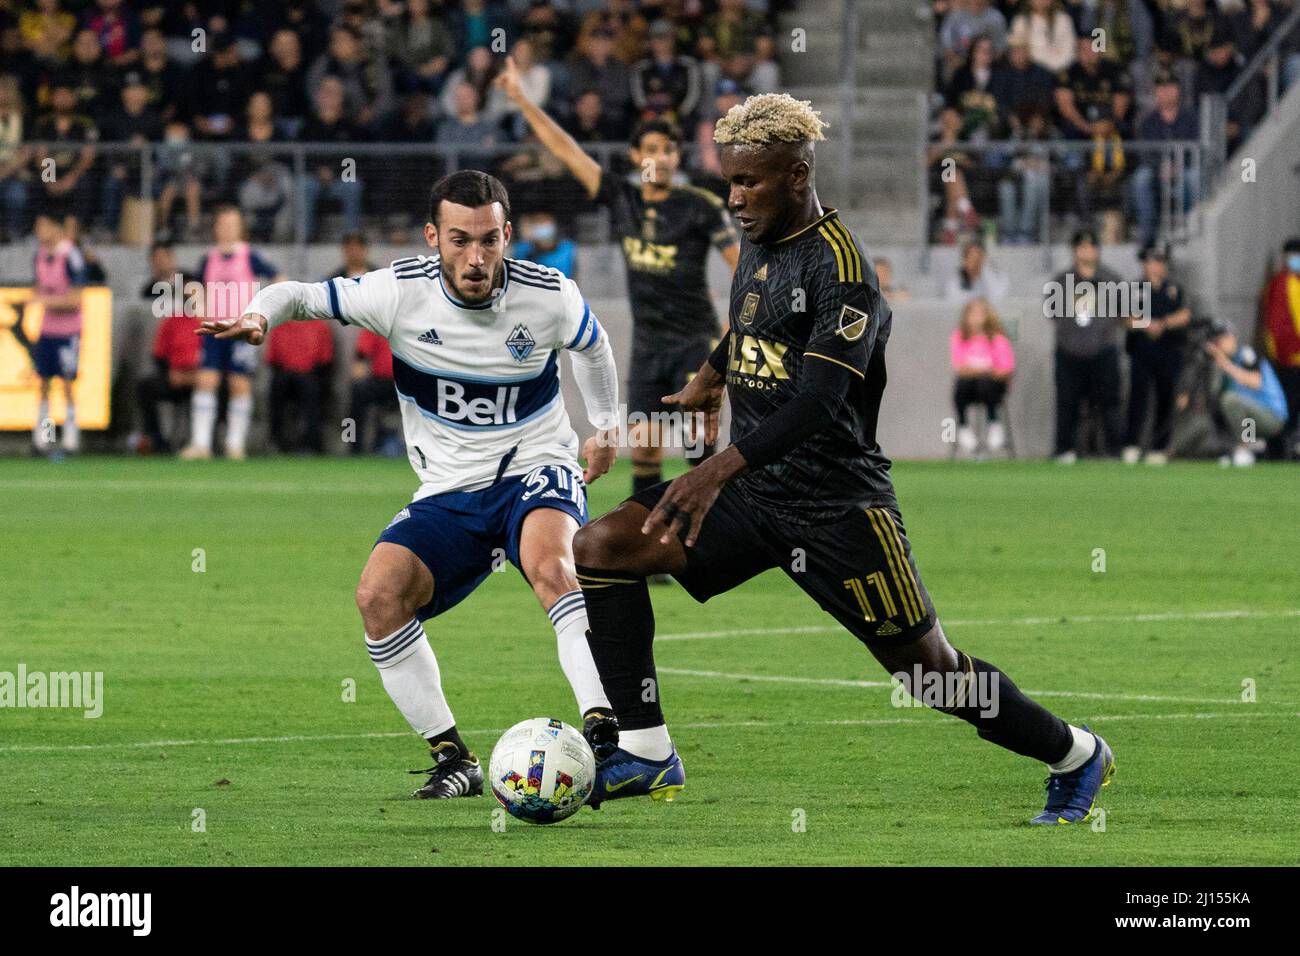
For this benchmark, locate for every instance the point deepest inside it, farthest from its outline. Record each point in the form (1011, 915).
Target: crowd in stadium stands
(1096, 72)
(82, 72)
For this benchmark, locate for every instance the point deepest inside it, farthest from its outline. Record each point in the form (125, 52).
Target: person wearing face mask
(1282, 342)
(543, 244)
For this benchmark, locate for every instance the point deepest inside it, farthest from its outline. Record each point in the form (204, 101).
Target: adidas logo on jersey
(401, 515)
(888, 629)
(430, 337)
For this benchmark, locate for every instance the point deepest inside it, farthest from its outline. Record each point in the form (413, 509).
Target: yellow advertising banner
(19, 385)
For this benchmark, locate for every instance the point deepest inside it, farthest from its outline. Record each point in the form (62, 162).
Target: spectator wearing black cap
(1169, 121)
(1087, 346)
(137, 123)
(666, 85)
(219, 90)
(1155, 343)
(1217, 70)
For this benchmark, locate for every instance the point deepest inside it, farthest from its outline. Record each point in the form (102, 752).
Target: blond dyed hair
(769, 118)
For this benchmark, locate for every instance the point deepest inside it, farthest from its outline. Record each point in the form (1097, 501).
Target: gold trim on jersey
(826, 214)
(847, 258)
(836, 361)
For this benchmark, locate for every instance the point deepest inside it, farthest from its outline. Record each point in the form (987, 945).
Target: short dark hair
(646, 127)
(160, 247)
(468, 187)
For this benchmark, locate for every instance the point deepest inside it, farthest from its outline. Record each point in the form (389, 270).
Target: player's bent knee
(383, 608)
(604, 543)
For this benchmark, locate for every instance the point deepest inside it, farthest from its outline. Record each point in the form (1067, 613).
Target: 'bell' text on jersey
(812, 296)
(479, 385)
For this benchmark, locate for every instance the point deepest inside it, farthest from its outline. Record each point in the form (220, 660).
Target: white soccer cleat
(1156, 458)
(996, 437)
(1243, 458)
(966, 439)
(195, 453)
(1067, 458)
(1131, 455)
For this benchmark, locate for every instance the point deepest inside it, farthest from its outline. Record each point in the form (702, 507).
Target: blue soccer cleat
(622, 774)
(1071, 796)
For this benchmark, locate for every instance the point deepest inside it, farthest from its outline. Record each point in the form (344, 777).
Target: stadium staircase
(892, 76)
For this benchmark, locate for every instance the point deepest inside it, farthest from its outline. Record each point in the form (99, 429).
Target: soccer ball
(542, 770)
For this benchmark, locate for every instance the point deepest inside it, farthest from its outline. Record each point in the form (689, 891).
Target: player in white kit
(476, 339)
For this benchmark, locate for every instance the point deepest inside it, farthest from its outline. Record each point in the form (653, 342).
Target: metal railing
(1217, 109)
(1172, 167)
(286, 183)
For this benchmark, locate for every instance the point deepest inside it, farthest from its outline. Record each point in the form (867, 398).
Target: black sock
(1017, 723)
(621, 637)
(449, 736)
(645, 476)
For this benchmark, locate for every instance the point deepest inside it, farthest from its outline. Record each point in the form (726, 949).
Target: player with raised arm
(665, 231)
(476, 340)
(804, 368)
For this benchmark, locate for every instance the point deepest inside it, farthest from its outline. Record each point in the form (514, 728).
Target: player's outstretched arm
(597, 378)
(561, 145)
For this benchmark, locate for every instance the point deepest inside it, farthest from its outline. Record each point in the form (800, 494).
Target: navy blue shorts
(55, 356)
(228, 355)
(463, 536)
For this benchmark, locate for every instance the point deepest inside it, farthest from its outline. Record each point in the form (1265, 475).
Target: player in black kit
(804, 368)
(665, 231)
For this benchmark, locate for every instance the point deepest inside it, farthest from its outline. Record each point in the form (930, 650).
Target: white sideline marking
(840, 682)
(1005, 622)
(707, 725)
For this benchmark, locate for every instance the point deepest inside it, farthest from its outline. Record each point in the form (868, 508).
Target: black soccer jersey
(811, 297)
(666, 247)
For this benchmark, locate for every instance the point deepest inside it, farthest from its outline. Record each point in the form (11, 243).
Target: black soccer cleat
(452, 775)
(600, 727)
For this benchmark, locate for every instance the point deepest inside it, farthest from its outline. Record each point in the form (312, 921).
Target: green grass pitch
(224, 689)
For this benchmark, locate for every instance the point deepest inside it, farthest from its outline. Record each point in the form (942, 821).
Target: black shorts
(660, 369)
(858, 569)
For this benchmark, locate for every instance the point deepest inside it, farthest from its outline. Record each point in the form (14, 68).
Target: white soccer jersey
(479, 386)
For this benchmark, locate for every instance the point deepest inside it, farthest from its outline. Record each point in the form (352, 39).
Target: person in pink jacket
(983, 360)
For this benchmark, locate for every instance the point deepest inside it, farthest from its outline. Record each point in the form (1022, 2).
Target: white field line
(88, 488)
(707, 725)
(1153, 618)
(840, 682)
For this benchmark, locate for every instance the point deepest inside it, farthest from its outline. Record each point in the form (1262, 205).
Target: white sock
(410, 675)
(38, 430)
(569, 618)
(203, 418)
(71, 433)
(238, 414)
(652, 743)
(1081, 751)
(963, 205)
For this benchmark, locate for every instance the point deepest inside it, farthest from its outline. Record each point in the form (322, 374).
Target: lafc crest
(853, 323)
